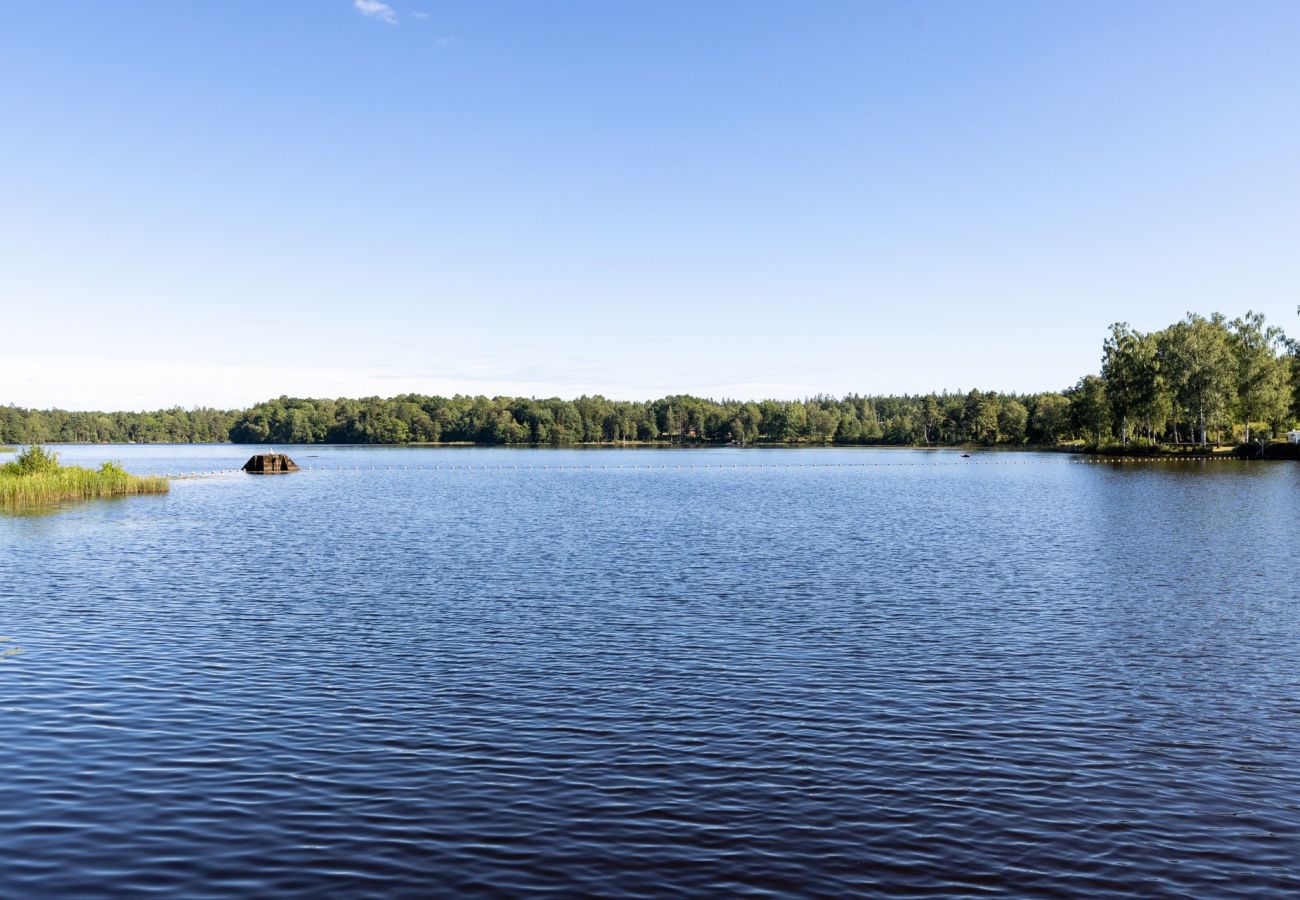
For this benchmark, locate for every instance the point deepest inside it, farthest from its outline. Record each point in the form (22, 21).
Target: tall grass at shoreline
(36, 478)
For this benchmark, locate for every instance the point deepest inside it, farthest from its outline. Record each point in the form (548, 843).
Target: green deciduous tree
(980, 418)
(1089, 407)
(1262, 391)
(1013, 421)
(1135, 385)
(1051, 418)
(1195, 356)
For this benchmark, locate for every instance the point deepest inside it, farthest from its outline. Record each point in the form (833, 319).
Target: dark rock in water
(270, 463)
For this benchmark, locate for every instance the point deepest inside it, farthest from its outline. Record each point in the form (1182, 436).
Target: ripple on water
(1039, 680)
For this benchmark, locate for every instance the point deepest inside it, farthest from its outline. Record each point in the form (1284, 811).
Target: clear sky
(216, 203)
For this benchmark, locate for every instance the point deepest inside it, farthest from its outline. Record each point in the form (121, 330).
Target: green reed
(36, 478)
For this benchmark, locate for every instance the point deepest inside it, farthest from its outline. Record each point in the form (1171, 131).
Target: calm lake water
(1012, 674)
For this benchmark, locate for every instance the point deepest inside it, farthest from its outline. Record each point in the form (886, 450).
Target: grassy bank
(1275, 449)
(36, 478)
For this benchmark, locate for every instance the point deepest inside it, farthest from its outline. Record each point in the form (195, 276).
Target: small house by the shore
(1293, 437)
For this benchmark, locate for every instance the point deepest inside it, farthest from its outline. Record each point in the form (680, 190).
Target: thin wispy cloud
(374, 9)
(445, 40)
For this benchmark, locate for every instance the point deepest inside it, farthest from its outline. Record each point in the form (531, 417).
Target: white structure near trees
(1293, 437)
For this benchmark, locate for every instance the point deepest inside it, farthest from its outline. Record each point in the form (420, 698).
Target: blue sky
(214, 203)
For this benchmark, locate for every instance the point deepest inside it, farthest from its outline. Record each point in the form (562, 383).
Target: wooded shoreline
(1201, 381)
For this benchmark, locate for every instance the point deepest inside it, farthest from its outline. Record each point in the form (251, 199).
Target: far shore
(1258, 450)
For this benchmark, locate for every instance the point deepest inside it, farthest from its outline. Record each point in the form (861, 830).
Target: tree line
(1200, 380)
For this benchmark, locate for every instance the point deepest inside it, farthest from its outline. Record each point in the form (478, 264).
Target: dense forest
(1201, 380)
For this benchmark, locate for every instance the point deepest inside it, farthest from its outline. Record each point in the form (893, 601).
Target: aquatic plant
(36, 478)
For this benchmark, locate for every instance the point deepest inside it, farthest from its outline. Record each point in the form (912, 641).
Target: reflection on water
(948, 679)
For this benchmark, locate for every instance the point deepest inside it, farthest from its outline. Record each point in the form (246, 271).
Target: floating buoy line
(659, 467)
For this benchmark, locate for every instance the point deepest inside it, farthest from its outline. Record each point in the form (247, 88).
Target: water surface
(1014, 674)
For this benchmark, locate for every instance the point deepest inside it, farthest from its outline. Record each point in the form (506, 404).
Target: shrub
(32, 460)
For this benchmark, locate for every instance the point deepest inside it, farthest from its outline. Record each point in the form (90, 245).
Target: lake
(839, 672)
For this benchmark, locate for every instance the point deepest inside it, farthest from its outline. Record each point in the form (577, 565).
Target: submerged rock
(270, 463)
